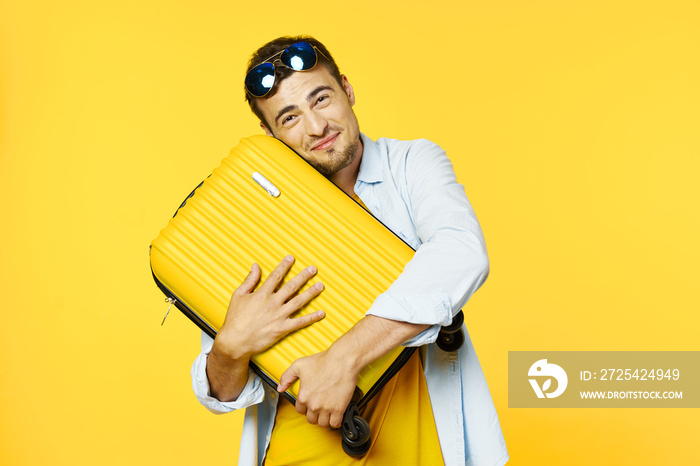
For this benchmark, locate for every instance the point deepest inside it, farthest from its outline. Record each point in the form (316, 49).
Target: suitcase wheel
(358, 445)
(355, 432)
(450, 341)
(456, 324)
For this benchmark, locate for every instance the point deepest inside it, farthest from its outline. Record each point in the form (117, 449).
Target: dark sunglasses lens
(260, 79)
(300, 56)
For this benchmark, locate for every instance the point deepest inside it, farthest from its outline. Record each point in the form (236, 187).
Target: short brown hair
(281, 72)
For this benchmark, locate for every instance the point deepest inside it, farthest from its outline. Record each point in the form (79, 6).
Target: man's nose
(315, 124)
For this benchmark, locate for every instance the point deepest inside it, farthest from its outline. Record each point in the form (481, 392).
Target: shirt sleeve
(252, 393)
(451, 262)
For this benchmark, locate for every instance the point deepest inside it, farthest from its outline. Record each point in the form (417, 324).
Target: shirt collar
(371, 164)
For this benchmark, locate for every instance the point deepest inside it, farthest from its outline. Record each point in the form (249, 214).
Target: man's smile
(326, 143)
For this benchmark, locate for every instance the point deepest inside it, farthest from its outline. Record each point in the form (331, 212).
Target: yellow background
(573, 125)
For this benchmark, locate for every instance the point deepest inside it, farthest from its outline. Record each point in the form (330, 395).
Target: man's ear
(348, 89)
(267, 131)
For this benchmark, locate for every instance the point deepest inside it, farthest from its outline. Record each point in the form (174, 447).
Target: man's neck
(345, 179)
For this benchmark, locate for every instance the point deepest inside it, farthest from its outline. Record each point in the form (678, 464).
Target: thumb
(288, 378)
(250, 281)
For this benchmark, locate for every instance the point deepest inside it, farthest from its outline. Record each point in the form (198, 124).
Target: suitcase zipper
(170, 301)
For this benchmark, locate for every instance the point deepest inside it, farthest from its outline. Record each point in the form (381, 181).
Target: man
(296, 90)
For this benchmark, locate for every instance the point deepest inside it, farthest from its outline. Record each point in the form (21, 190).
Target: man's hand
(327, 387)
(256, 320)
(328, 379)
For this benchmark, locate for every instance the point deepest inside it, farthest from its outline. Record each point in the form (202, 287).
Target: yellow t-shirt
(401, 423)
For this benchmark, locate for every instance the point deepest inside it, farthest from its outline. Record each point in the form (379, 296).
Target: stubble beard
(337, 160)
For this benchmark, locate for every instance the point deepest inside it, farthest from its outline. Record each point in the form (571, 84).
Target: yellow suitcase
(262, 203)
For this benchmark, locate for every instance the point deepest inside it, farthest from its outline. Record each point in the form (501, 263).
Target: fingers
(289, 289)
(287, 379)
(311, 417)
(304, 321)
(295, 284)
(322, 419)
(277, 275)
(300, 407)
(336, 420)
(302, 299)
(250, 281)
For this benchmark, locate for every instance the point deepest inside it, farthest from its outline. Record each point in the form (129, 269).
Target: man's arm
(255, 320)
(450, 262)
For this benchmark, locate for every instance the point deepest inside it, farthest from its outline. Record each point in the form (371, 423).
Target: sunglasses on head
(298, 57)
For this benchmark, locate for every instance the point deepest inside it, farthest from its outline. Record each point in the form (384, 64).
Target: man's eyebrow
(316, 91)
(286, 109)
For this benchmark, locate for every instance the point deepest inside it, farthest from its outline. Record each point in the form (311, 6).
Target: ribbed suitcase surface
(231, 221)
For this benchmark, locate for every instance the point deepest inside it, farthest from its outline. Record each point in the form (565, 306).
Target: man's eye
(322, 100)
(288, 119)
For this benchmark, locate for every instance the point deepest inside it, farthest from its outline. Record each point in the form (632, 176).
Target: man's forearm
(227, 377)
(370, 339)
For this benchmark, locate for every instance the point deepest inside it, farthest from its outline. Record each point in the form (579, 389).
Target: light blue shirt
(411, 187)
